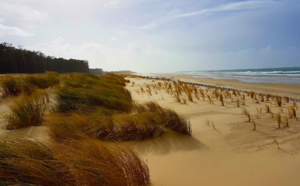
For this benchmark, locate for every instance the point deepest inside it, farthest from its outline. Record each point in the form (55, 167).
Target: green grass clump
(37, 81)
(15, 85)
(53, 78)
(147, 121)
(87, 162)
(27, 111)
(43, 81)
(84, 91)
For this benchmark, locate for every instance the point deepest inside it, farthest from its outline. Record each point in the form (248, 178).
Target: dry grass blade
(292, 112)
(287, 99)
(237, 103)
(286, 120)
(267, 108)
(246, 113)
(254, 125)
(278, 118)
(87, 162)
(149, 121)
(295, 105)
(27, 111)
(28, 162)
(279, 101)
(10, 86)
(86, 91)
(221, 99)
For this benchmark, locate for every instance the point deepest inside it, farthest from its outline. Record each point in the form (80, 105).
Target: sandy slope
(232, 154)
(39, 133)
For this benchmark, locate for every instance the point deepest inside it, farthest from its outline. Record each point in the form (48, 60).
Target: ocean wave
(283, 71)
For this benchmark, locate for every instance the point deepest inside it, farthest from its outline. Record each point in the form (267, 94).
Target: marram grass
(86, 91)
(27, 111)
(147, 121)
(26, 84)
(86, 162)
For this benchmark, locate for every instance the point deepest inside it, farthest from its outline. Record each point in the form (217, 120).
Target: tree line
(19, 60)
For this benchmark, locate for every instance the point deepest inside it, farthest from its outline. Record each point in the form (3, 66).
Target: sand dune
(39, 133)
(223, 148)
(230, 154)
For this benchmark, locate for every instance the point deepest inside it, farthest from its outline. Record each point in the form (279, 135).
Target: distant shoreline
(291, 90)
(251, 78)
(290, 75)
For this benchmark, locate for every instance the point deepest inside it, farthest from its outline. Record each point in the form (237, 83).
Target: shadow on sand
(170, 142)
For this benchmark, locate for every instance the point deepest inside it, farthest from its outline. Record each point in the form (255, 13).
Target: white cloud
(121, 32)
(110, 4)
(236, 6)
(192, 40)
(102, 56)
(6, 30)
(113, 39)
(144, 56)
(93, 52)
(158, 22)
(21, 12)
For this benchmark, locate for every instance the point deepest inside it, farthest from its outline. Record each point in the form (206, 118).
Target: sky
(153, 36)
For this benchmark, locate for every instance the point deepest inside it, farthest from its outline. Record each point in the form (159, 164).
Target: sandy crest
(233, 154)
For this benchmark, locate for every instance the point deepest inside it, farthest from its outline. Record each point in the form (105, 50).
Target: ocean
(290, 75)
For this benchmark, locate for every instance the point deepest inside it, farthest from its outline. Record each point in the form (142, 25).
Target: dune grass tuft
(267, 108)
(278, 118)
(27, 111)
(10, 86)
(237, 103)
(221, 99)
(286, 121)
(279, 101)
(147, 121)
(87, 162)
(246, 113)
(295, 105)
(118, 128)
(292, 112)
(15, 85)
(287, 99)
(85, 91)
(43, 81)
(254, 125)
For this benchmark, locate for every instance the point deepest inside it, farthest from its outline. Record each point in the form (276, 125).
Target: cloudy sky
(158, 35)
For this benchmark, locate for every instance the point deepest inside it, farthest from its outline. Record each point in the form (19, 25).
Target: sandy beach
(291, 90)
(223, 148)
